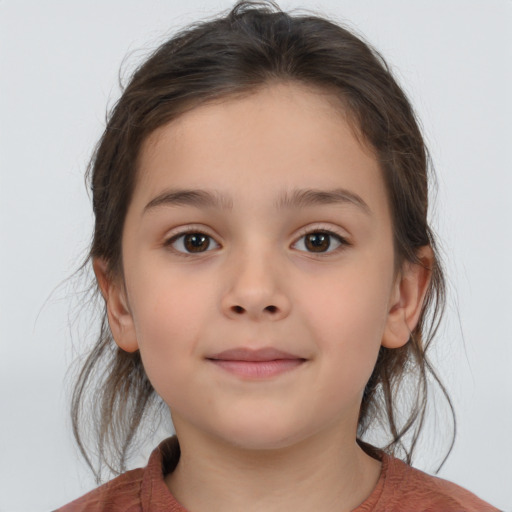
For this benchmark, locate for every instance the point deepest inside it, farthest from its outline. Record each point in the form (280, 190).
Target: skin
(259, 285)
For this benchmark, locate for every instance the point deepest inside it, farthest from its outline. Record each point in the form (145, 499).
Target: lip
(255, 355)
(256, 364)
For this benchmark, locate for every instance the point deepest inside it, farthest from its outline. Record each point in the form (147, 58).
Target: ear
(407, 299)
(119, 316)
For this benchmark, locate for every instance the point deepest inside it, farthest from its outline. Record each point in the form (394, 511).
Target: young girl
(262, 247)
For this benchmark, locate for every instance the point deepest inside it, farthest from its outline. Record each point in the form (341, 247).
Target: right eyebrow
(186, 197)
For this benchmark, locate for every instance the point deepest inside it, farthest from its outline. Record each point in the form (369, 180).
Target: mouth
(256, 364)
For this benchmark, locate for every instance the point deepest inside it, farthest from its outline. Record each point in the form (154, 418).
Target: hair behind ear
(406, 369)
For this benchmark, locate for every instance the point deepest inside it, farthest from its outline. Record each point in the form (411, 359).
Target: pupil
(318, 242)
(196, 242)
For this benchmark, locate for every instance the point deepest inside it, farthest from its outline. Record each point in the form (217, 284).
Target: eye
(192, 242)
(319, 242)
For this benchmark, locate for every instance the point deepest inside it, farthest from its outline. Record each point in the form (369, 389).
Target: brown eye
(193, 243)
(320, 242)
(317, 242)
(196, 242)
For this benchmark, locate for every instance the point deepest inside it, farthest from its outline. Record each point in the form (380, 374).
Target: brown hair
(254, 44)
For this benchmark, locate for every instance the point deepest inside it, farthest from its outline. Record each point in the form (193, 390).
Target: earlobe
(407, 299)
(119, 316)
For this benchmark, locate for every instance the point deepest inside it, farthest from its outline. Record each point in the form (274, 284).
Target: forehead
(280, 137)
(280, 103)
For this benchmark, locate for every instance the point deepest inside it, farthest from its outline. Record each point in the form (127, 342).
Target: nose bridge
(255, 282)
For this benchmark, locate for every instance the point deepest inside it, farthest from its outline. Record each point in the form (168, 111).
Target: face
(258, 266)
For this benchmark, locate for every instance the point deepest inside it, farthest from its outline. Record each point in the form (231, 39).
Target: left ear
(407, 298)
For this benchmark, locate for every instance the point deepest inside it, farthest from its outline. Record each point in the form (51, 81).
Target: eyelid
(322, 228)
(177, 233)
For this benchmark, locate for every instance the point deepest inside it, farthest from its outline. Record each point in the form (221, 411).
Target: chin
(262, 435)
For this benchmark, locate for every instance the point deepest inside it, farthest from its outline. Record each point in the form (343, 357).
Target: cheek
(352, 305)
(347, 317)
(169, 318)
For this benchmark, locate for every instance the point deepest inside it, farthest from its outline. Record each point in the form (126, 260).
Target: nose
(255, 290)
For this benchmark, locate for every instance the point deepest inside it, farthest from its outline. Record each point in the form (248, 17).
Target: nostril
(240, 310)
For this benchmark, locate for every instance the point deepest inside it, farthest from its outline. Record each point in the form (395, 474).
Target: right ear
(118, 311)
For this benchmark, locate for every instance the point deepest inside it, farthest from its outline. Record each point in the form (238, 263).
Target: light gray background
(59, 62)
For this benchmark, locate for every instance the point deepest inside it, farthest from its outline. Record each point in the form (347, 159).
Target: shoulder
(407, 488)
(136, 490)
(120, 494)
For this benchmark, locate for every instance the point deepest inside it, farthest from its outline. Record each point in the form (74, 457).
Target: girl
(262, 248)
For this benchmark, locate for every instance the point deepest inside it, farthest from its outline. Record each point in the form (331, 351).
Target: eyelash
(309, 231)
(169, 243)
(342, 241)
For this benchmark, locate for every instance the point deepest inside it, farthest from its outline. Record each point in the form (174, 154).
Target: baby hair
(253, 46)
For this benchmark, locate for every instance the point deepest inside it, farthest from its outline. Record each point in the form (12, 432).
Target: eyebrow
(297, 198)
(197, 198)
(301, 198)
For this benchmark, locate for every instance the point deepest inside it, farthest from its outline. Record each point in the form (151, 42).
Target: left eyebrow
(301, 198)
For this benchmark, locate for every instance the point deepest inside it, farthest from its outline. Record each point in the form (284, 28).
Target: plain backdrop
(59, 65)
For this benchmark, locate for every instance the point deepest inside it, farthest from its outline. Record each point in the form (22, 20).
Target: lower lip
(258, 369)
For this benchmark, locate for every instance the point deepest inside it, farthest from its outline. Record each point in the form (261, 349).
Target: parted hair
(234, 54)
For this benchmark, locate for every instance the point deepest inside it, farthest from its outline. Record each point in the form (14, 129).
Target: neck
(327, 472)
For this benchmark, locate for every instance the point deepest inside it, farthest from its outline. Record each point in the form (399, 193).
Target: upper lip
(248, 354)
